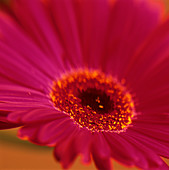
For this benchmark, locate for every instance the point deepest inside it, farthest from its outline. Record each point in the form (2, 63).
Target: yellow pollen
(101, 106)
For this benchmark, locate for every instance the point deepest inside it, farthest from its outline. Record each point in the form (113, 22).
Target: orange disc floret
(93, 100)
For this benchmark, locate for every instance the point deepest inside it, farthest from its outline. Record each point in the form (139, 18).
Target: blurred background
(16, 154)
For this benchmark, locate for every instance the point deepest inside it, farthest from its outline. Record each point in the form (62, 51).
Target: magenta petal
(123, 39)
(150, 57)
(15, 116)
(153, 60)
(29, 133)
(154, 144)
(100, 145)
(41, 115)
(39, 68)
(56, 131)
(83, 144)
(66, 152)
(5, 123)
(65, 17)
(101, 152)
(153, 132)
(91, 15)
(18, 98)
(35, 22)
(15, 94)
(126, 152)
(102, 163)
(152, 159)
(35, 115)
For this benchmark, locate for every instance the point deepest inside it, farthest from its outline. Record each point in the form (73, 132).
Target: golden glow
(93, 100)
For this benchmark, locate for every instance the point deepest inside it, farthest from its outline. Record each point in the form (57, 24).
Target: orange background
(16, 154)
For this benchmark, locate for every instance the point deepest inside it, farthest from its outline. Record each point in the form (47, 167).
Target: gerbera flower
(87, 77)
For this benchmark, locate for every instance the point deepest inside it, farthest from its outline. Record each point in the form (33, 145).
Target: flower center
(93, 100)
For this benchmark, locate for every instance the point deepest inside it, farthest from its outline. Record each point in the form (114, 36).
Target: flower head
(87, 77)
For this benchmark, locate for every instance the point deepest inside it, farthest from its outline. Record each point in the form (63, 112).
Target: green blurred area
(10, 137)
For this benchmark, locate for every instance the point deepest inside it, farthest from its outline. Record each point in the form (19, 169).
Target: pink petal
(65, 151)
(65, 22)
(35, 22)
(121, 150)
(15, 97)
(151, 66)
(101, 152)
(153, 132)
(100, 145)
(154, 144)
(5, 123)
(123, 39)
(153, 160)
(39, 66)
(83, 144)
(56, 131)
(102, 163)
(35, 115)
(92, 21)
(30, 133)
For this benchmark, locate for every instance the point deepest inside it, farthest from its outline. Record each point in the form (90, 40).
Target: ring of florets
(93, 100)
